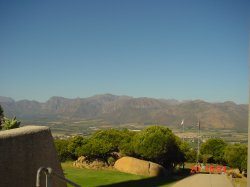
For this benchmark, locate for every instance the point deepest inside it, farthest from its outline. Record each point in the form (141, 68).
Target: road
(204, 180)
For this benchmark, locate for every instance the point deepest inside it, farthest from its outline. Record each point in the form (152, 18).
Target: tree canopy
(157, 144)
(103, 143)
(214, 149)
(236, 156)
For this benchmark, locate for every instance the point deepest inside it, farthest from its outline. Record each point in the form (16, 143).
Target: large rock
(139, 167)
(81, 162)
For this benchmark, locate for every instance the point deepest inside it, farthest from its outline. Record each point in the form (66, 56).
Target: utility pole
(182, 123)
(198, 142)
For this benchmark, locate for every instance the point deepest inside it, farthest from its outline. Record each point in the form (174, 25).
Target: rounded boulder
(139, 167)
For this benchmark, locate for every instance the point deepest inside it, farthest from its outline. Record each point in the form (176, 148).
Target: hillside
(125, 109)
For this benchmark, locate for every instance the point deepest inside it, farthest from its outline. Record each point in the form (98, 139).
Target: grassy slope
(110, 178)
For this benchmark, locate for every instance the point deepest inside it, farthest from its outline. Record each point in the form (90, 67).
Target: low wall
(22, 152)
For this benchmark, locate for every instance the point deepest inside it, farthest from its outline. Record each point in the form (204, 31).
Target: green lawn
(111, 178)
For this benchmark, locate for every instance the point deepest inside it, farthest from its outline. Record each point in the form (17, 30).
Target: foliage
(10, 123)
(234, 174)
(157, 144)
(105, 142)
(188, 152)
(236, 156)
(74, 144)
(1, 116)
(112, 136)
(62, 150)
(125, 146)
(207, 158)
(111, 161)
(214, 147)
(67, 149)
(96, 149)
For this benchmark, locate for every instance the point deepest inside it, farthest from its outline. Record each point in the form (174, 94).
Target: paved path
(204, 180)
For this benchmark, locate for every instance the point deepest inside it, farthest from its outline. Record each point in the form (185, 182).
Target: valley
(67, 128)
(84, 116)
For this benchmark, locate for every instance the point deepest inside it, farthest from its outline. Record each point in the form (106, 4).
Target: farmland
(88, 127)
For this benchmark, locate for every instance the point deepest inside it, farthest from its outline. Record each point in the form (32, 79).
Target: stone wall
(22, 152)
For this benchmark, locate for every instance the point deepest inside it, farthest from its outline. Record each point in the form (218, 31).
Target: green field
(112, 178)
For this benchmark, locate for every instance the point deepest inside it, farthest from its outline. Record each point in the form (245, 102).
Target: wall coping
(22, 131)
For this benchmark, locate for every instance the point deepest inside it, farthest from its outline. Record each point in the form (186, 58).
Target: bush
(10, 123)
(234, 174)
(111, 161)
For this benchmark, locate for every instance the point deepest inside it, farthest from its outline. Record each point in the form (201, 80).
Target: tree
(157, 144)
(125, 146)
(10, 123)
(62, 150)
(1, 116)
(74, 145)
(96, 149)
(104, 143)
(213, 149)
(111, 136)
(236, 156)
(188, 152)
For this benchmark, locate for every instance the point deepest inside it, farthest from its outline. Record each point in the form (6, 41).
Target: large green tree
(104, 143)
(96, 149)
(158, 144)
(74, 145)
(112, 136)
(236, 156)
(214, 149)
(62, 150)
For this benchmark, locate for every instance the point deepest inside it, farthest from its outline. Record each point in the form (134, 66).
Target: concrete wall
(22, 152)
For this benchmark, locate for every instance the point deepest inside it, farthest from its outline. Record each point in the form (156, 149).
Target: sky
(171, 49)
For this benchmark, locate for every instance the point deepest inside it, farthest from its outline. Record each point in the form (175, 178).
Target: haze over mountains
(125, 109)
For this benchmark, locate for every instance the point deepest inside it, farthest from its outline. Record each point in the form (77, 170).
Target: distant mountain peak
(4, 99)
(124, 109)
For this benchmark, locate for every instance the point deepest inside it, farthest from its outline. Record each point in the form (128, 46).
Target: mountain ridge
(125, 109)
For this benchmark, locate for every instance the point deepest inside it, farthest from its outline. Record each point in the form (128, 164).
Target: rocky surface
(139, 167)
(82, 162)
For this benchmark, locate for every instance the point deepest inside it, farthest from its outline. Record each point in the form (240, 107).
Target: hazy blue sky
(182, 49)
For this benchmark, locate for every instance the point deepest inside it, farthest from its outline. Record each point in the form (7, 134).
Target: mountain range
(124, 109)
